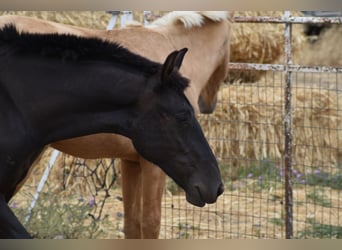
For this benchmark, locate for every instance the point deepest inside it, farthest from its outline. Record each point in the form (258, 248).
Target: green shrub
(56, 217)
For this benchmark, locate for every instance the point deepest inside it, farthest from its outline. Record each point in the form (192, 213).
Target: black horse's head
(166, 132)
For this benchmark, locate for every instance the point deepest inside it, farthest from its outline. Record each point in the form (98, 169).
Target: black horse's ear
(172, 63)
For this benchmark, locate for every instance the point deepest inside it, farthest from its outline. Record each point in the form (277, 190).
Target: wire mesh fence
(248, 139)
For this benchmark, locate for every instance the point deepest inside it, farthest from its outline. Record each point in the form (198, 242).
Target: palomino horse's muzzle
(205, 107)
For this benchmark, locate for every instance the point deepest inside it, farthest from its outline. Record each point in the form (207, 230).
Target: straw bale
(260, 43)
(325, 51)
(88, 19)
(248, 125)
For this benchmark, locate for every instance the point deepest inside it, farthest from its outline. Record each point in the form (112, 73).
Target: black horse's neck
(67, 99)
(65, 86)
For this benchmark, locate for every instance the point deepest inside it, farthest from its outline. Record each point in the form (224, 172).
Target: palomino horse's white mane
(190, 18)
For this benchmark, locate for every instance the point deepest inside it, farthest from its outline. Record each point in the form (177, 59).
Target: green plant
(321, 231)
(265, 168)
(325, 179)
(319, 198)
(261, 175)
(184, 229)
(54, 217)
(172, 187)
(277, 221)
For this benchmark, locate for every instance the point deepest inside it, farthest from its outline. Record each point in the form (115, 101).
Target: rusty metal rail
(287, 19)
(288, 68)
(281, 67)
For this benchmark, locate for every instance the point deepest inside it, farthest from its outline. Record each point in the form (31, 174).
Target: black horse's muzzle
(199, 195)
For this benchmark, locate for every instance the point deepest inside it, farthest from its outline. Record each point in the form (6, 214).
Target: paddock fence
(276, 133)
(278, 141)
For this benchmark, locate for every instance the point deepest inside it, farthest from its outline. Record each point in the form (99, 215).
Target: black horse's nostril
(220, 190)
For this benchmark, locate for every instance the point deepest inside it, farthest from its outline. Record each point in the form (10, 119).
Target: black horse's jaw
(195, 202)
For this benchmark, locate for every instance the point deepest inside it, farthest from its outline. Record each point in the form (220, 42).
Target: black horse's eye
(183, 117)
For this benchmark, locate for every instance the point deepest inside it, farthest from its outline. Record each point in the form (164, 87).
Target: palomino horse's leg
(131, 192)
(153, 183)
(10, 227)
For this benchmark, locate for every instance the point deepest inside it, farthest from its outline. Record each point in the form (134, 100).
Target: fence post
(113, 19)
(126, 16)
(288, 130)
(147, 13)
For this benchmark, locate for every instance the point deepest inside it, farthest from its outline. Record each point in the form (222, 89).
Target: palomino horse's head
(167, 133)
(208, 96)
(207, 35)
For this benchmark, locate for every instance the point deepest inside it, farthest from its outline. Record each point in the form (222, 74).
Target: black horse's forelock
(73, 48)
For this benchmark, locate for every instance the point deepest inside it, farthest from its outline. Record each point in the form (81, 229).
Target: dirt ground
(240, 213)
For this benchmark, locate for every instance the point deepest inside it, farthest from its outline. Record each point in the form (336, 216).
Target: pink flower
(14, 205)
(91, 202)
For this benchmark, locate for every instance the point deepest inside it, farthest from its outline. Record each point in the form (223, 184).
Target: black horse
(54, 87)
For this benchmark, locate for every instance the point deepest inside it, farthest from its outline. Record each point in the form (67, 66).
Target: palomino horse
(207, 36)
(55, 87)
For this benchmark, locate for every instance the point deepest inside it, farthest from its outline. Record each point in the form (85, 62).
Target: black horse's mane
(73, 48)
(69, 47)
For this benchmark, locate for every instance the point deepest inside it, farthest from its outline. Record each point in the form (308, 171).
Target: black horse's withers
(55, 87)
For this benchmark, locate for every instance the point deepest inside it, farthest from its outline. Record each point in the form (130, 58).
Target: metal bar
(112, 20)
(289, 19)
(256, 66)
(147, 14)
(314, 69)
(288, 132)
(41, 183)
(281, 67)
(126, 16)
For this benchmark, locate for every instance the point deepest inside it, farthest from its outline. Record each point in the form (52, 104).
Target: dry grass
(243, 213)
(325, 51)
